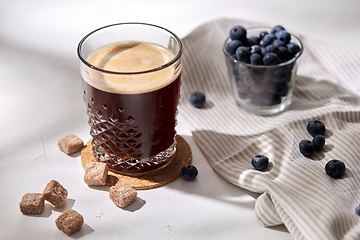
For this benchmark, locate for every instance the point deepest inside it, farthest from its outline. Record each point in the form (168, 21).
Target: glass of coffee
(131, 79)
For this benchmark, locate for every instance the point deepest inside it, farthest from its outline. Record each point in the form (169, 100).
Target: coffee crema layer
(131, 58)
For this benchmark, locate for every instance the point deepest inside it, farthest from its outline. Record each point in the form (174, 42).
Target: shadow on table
(69, 203)
(135, 206)
(84, 231)
(50, 80)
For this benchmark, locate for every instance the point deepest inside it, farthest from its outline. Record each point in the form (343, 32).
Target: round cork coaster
(157, 178)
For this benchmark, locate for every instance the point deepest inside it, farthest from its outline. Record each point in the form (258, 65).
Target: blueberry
(276, 29)
(232, 46)
(272, 49)
(198, 99)
(255, 49)
(189, 172)
(319, 142)
(284, 53)
(238, 33)
(263, 50)
(256, 59)
(243, 54)
(287, 68)
(280, 77)
(253, 40)
(335, 168)
(293, 48)
(357, 209)
(278, 43)
(260, 162)
(306, 148)
(284, 36)
(262, 35)
(315, 127)
(268, 39)
(270, 99)
(282, 89)
(271, 59)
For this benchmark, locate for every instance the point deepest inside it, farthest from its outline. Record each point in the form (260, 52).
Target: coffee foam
(130, 57)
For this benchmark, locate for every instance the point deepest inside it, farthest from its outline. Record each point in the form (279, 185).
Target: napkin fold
(295, 190)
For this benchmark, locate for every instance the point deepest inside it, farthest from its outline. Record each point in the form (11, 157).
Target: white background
(41, 102)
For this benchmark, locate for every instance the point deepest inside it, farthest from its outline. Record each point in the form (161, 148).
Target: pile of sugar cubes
(96, 174)
(69, 221)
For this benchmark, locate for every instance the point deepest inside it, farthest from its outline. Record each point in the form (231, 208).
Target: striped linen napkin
(295, 190)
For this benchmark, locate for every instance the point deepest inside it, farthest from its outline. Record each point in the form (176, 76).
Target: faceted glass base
(130, 165)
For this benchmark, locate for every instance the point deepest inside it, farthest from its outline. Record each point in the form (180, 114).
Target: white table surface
(41, 102)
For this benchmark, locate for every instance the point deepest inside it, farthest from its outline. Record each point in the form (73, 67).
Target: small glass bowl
(259, 89)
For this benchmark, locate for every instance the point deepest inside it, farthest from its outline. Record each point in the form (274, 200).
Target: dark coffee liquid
(132, 127)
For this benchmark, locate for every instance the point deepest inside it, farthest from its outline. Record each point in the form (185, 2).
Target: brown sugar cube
(70, 144)
(69, 222)
(32, 203)
(96, 174)
(122, 195)
(55, 193)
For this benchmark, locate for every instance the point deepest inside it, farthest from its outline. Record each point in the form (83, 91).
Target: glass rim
(297, 56)
(171, 62)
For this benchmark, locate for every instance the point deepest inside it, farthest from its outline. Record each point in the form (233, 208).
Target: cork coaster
(150, 180)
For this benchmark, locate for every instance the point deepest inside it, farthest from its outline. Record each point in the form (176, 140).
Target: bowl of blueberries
(262, 64)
